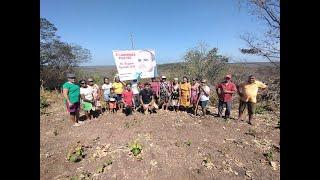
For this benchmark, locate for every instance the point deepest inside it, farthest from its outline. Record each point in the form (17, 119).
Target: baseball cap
(203, 81)
(176, 79)
(228, 76)
(70, 75)
(163, 77)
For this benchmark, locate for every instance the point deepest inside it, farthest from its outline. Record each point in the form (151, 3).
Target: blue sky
(168, 27)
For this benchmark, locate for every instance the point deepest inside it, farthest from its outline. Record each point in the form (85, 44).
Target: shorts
(86, 106)
(106, 97)
(154, 105)
(119, 97)
(74, 108)
(112, 105)
(251, 107)
(98, 104)
(175, 102)
(203, 104)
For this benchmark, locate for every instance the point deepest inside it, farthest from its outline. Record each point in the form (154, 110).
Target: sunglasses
(90, 81)
(83, 83)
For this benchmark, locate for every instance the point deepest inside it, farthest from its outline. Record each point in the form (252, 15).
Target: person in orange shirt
(248, 97)
(185, 93)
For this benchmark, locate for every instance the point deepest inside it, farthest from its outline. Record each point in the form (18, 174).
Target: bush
(43, 102)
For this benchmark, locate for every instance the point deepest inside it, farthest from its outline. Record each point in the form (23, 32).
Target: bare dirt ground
(174, 146)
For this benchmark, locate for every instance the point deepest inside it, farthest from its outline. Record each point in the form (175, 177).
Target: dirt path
(175, 146)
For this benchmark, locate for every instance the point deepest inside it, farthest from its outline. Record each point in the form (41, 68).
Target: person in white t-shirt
(87, 101)
(135, 90)
(204, 96)
(107, 85)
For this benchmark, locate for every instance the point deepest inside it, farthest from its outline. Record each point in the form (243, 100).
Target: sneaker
(76, 124)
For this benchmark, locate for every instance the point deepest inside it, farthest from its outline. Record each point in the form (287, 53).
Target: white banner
(135, 64)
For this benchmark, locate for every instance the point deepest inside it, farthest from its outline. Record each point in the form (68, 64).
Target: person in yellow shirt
(118, 87)
(248, 97)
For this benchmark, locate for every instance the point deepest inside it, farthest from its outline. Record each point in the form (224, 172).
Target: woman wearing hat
(71, 93)
(204, 96)
(165, 92)
(87, 100)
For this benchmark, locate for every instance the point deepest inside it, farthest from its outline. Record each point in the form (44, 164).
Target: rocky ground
(173, 146)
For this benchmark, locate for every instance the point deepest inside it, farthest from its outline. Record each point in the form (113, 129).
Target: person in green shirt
(71, 93)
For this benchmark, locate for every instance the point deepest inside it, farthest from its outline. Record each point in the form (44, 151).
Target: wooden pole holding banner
(131, 38)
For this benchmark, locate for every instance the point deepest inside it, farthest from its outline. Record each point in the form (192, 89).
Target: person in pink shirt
(128, 100)
(225, 90)
(194, 92)
(155, 87)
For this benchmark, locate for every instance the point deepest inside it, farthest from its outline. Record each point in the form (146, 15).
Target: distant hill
(110, 67)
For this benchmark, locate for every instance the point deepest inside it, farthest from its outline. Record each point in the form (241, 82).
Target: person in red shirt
(225, 90)
(128, 100)
(155, 87)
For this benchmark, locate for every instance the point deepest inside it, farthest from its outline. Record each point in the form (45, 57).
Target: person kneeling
(147, 99)
(128, 100)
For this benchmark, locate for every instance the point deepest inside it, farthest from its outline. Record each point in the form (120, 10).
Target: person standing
(165, 92)
(194, 93)
(118, 89)
(107, 85)
(96, 97)
(155, 87)
(185, 93)
(175, 94)
(112, 101)
(135, 90)
(87, 99)
(147, 99)
(71, 94)
(204, 96)
(248, 92)
(128, 100)
(225, 90)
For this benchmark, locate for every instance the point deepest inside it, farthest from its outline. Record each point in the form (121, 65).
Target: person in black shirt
(146, 99)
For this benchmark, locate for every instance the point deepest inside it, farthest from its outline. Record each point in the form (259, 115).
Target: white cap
(163, 77)
(176, 79)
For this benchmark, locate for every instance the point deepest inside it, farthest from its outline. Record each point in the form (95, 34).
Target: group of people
(159, 94)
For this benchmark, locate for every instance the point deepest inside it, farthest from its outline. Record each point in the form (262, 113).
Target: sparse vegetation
(135, 147)
(76, 154)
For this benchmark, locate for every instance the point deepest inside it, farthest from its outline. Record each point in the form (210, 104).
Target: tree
(57, 57)
(268, 11)
(203, 63)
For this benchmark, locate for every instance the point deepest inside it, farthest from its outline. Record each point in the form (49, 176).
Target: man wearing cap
(165, 92)
(225, 90)
(248, 96)
(71, 94)
(204, 96)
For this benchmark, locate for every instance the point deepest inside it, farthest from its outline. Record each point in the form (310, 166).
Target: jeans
(228, 108)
